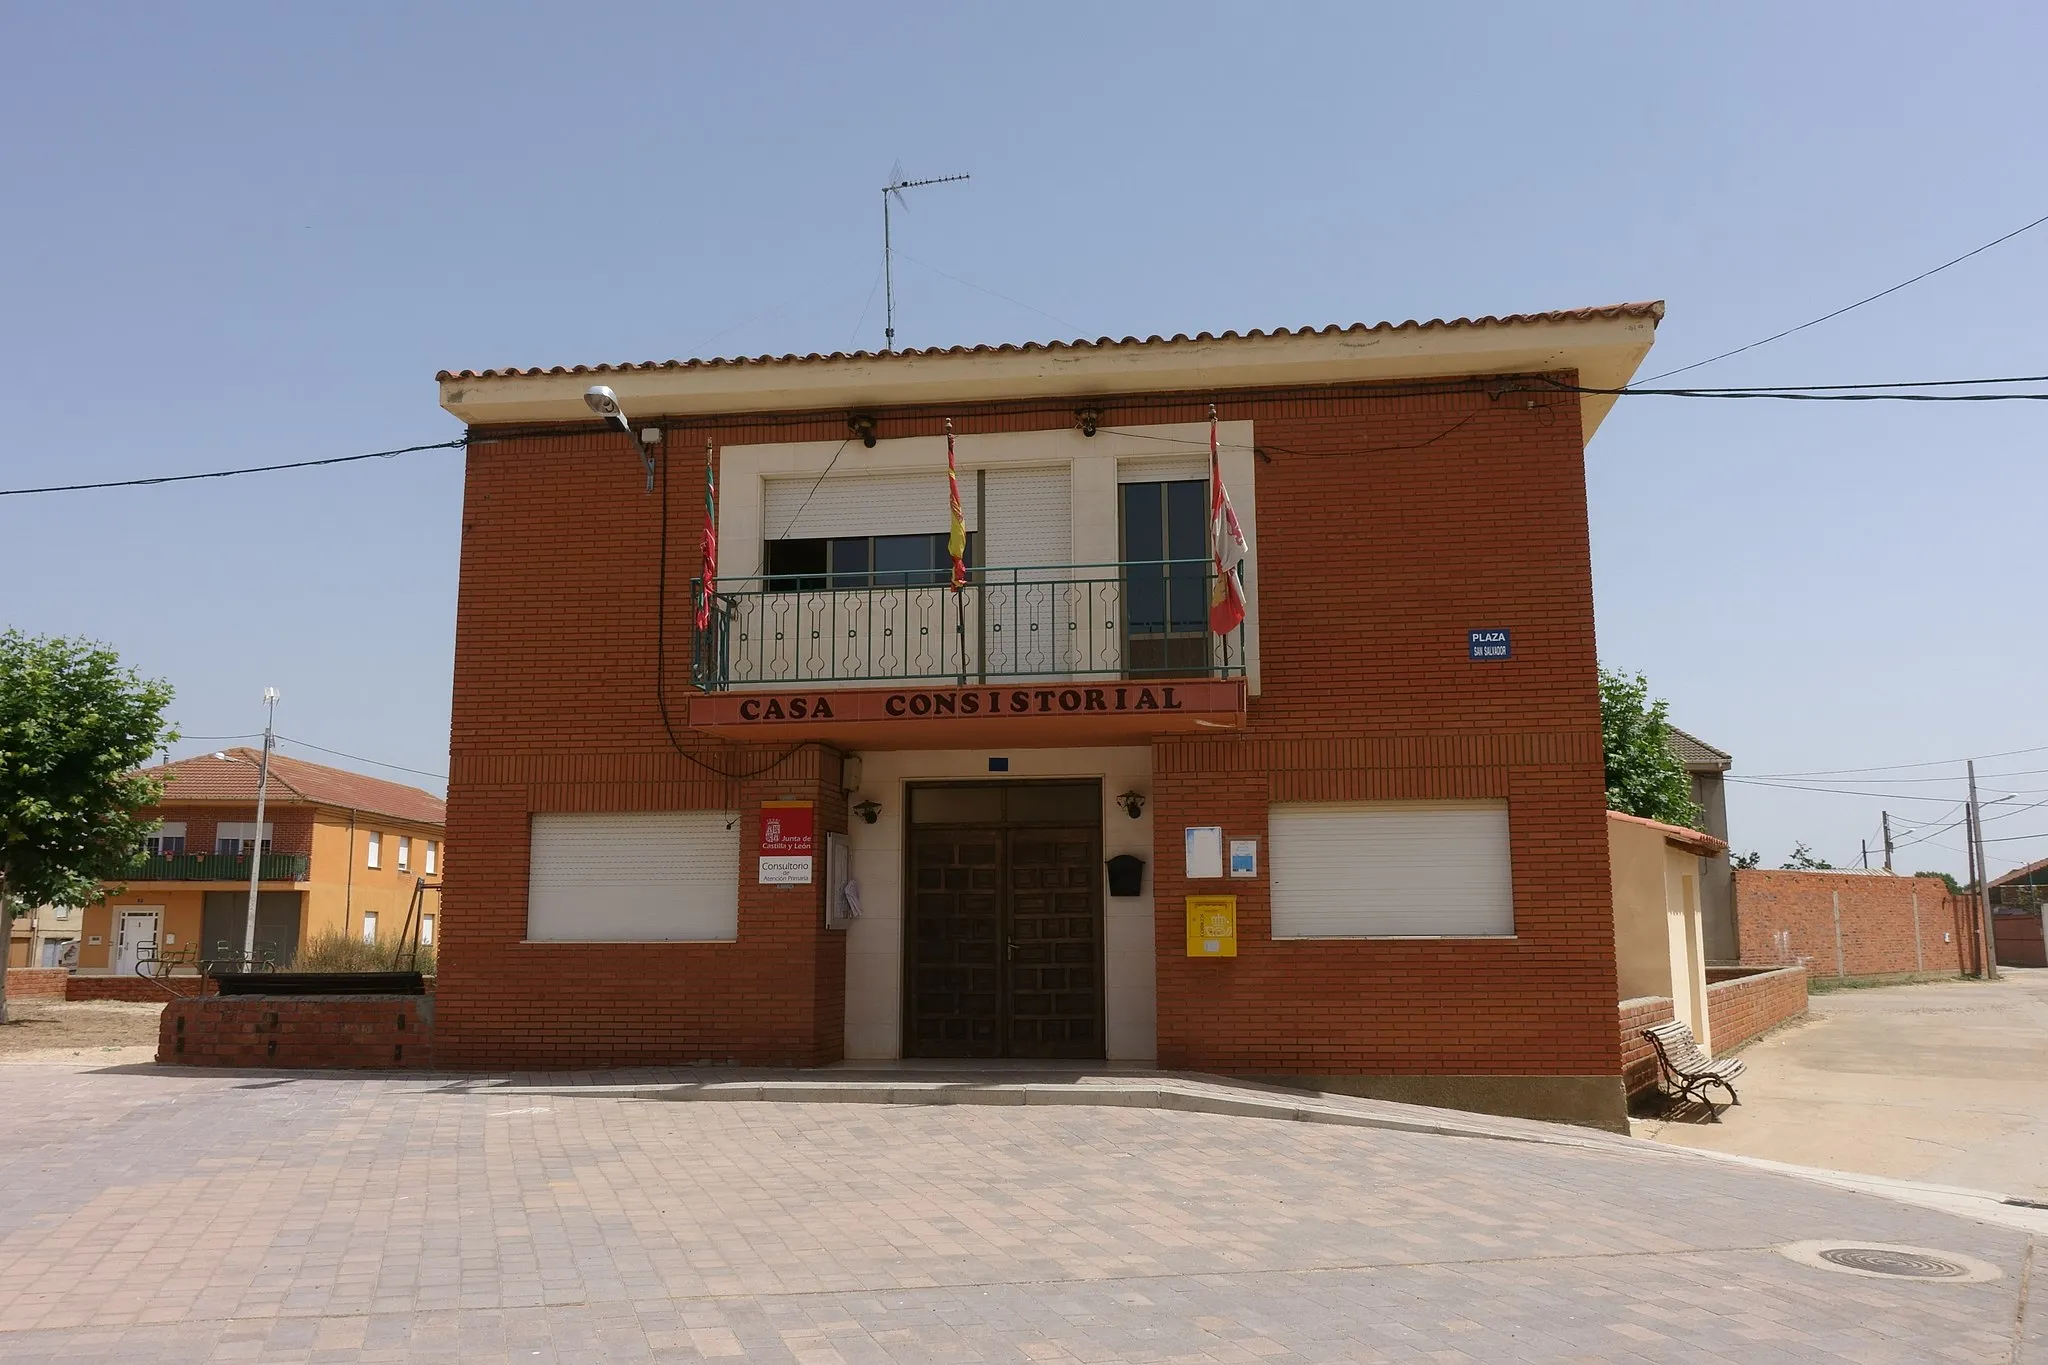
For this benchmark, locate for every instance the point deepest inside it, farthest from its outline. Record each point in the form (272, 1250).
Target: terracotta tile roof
(293, 780)
(1653, 310)
(1691, 840)
(1697, 754)
(2026, 875)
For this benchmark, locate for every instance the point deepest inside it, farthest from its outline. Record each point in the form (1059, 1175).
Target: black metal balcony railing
(1123, 620)
(217, 867)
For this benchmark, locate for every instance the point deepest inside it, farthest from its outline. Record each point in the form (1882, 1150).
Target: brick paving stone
(184, 1216)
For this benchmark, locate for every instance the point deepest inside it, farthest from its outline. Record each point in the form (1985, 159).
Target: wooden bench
(1691, 1071)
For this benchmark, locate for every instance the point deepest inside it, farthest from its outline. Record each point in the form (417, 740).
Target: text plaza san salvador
(1132, 701)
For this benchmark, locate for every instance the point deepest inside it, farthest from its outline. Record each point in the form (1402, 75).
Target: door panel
(1004, 938)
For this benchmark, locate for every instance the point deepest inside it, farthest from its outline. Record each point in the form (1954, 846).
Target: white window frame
(369, 926)
(374, 849)
(426, 931)
(1366, 870)
(169, 829)
(405, 853)
(242, 831)
(433, 857)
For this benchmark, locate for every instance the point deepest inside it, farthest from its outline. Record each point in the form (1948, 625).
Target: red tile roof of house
(1653, 310)
(293, 780)
(1691, 840)
(2020, 875)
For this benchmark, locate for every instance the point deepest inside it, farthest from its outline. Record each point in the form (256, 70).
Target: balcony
(217, 867)
(1127, 621)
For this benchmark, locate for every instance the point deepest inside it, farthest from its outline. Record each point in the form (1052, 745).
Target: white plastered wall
(874, 945)
(1092, 461)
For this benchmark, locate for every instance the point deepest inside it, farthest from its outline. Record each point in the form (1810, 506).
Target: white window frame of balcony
(1095, 465)
(374, 849)
(241, 833)
(168, 830)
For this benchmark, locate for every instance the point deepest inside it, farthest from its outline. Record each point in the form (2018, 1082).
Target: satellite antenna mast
(894, 190)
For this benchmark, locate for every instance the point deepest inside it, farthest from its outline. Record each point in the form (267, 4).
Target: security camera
(605, 404)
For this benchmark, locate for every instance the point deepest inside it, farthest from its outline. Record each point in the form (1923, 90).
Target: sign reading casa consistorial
(1183, 704)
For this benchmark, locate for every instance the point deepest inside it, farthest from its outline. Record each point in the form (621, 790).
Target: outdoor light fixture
(1133, 803)
(868, 810)
(1091, 418)
(601, 400)
(863, 426)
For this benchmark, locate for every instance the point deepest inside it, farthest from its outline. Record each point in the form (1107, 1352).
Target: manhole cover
(1882, 1262)
(1891, 1261)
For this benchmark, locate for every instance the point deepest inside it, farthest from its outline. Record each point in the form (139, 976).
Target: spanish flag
(956, 535)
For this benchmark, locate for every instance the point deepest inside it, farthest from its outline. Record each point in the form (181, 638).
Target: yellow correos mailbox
(1212, 926)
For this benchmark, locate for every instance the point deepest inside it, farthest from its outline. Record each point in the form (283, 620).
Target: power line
(1841, 791)
(375, 763)
(1804, 395)
(231, 473)
(1779, 336)
(1895, 767)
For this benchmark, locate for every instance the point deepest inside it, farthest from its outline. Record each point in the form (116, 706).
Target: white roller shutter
(634, 876)
(1170, 469)
(1030, 516)
(1391, 869)
(865, 505)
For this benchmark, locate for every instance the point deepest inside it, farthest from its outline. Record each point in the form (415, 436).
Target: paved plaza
(148, 1214)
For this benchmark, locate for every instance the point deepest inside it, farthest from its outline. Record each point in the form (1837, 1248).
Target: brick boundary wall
(388, 1032)
(1877, 918)
(1638, 1059)
(36, 983)
(136, 988)
(1752, 1003)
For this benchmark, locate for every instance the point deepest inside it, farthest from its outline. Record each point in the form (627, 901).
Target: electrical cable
(1798, 395)
(661, 657)
(818, 483)
(1895, 767)
(375, 763)
(1779, 336)
(1840, 791)
(231, 473)
(902, 255)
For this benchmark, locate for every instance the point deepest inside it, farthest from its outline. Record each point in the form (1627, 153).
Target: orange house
(339, 852)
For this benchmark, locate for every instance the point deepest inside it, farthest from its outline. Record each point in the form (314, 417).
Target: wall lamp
(863, 426)
(1133, 803)
(868, 810)
(1090, 419)
(601, 400)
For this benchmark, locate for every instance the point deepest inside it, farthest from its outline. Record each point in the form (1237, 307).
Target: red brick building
(1371, 819)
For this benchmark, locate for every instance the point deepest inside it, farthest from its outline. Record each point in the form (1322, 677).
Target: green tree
(1955, 888)
(1644, 776)
(74, 727)
(1802, 860)
(1746, 860)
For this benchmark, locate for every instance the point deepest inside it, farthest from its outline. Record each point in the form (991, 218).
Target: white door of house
(134, 937)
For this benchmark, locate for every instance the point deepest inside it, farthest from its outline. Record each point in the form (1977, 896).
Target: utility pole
(1866, 854)
(256, 845)
(1981, 874)
(1887, 839)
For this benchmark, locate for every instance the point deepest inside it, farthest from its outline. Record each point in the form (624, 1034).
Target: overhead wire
(373, 762)
(231, 473)
(1849, 308)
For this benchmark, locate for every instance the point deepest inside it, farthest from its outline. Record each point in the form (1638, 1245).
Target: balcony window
(1166, 554)
(853, 563)
(238, 837)
(168, 839)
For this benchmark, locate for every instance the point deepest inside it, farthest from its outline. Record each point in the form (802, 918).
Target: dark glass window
(856, 562)
(1166, 576)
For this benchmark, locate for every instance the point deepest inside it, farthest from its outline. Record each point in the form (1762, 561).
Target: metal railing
(1132, 619)
(217, 867)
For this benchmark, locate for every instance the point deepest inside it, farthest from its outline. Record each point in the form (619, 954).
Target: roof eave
(1604, 347)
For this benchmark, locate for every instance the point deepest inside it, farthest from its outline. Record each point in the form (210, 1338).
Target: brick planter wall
(36, 983)
(355, 1031)
(1638, 1060)
(136, 988)
(1744, 1006)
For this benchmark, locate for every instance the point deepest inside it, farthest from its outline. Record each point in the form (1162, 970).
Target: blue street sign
(1491, 644)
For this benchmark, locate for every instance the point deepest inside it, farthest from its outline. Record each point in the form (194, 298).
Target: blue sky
(243, 234)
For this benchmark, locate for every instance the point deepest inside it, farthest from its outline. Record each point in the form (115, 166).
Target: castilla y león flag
(1226, 548)
(956, 534)
(707, 544)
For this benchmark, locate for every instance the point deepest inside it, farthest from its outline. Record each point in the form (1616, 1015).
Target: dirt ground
(1944, 1082)
(106, 1032)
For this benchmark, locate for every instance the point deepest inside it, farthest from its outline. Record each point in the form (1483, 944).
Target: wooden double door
(1003, 942)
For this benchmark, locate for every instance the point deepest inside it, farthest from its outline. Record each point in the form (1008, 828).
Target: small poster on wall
(788, 843)
(1205, 850)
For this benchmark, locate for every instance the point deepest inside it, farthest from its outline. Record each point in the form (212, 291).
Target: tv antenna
(894, 190)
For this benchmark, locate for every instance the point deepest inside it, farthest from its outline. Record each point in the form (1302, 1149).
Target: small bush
(339, 952)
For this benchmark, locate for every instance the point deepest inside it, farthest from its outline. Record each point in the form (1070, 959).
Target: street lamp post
(256, 844)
